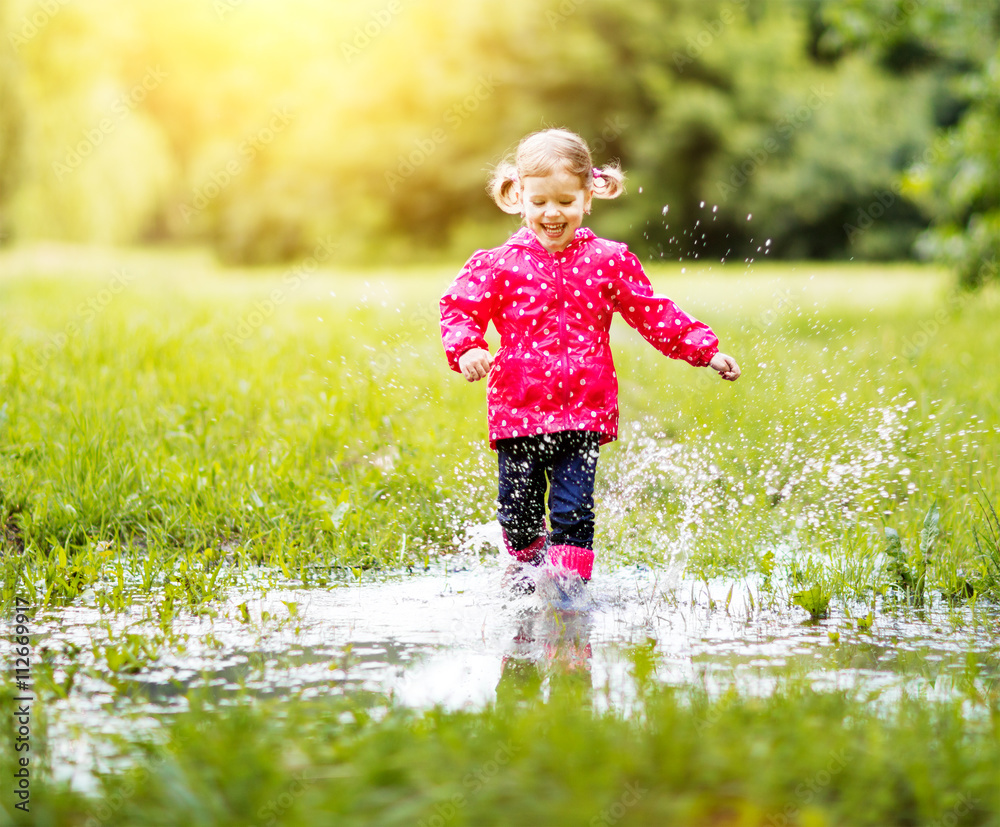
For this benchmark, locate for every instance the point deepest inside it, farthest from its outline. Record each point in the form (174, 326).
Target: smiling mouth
(554, 230)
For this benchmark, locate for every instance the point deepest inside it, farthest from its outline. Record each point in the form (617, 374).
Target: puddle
(452, 637)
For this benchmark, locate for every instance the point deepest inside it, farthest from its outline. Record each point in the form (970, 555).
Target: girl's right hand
(475, 364)
(726, 366)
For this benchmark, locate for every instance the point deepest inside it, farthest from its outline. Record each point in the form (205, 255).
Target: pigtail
(503, 187)
(609, 181)
(540, 153)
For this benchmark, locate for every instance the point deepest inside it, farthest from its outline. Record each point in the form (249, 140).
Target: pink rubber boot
(573, 558)
(533, 555)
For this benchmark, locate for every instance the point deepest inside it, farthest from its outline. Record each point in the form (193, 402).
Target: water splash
(663, 499)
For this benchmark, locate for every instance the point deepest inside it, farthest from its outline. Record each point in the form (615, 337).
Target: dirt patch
(11, 536)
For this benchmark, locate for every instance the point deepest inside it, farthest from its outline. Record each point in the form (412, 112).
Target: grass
(176, 421)
(154, 430)
(167, 428)
(198, 416)
(796, 757)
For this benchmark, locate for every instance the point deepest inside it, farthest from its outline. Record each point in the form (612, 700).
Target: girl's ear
(588, 199)
(512, 204)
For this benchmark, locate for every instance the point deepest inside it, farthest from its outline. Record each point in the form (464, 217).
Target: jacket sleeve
(466, 308)
(661, 322)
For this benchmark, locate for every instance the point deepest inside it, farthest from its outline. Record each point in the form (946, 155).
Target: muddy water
(453, 637)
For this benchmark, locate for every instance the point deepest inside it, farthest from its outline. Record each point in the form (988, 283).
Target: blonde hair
(540, 153)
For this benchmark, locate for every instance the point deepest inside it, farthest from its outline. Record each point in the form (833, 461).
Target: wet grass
(795, 757)
(857, 455)
(195, 419)
(168, 429)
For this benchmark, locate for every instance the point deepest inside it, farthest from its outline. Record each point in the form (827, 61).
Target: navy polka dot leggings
(564, 462)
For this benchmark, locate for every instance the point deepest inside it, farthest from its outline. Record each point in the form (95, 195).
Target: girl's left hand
(726, 366)
(475, 364)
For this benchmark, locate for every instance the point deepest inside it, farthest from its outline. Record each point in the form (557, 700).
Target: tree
(956, 179)
(271, 127)
(12, 115)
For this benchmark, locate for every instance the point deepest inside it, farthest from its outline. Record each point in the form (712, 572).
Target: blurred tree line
(822, 128)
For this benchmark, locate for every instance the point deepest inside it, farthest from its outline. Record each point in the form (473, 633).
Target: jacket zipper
(563, 339)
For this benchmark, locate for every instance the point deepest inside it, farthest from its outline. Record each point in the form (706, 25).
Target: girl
(552, 396)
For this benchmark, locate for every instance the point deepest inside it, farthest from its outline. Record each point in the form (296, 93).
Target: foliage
(165, 424)
(965, 185)
(262, 128)
(987, 539)
(815, 600)
(685, 757)
(242, 426)
(263, 420)
(956, 178)
(11, 125)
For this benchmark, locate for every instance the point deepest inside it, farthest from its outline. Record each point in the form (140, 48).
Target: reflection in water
(551, 652)
(455, 638)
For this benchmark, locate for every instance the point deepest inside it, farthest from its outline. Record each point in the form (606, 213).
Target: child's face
(554, 206)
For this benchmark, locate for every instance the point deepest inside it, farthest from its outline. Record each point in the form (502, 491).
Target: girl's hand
(475, 364)
(726, 366)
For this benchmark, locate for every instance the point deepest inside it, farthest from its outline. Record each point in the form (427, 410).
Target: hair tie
(597, 173)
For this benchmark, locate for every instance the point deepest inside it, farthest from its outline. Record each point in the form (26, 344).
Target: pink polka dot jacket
(554, 370)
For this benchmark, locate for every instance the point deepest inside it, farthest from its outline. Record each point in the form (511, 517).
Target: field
(197, 463)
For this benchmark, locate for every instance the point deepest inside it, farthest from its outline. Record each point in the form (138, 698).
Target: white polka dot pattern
(556, 327)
